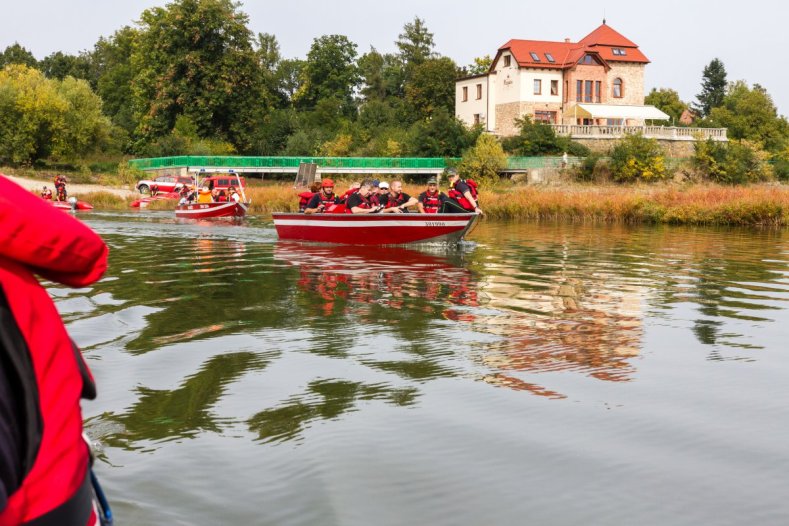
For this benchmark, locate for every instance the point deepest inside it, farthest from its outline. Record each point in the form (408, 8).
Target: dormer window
(507, 59)
(550, 58)
(619, 52)
(534, 56)
(588, 59)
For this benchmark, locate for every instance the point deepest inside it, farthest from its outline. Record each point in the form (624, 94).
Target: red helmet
(327, 182)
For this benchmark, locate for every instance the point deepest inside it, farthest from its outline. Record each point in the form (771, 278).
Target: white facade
(471, 98)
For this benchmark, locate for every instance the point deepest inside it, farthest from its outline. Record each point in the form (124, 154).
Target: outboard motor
(73, 202)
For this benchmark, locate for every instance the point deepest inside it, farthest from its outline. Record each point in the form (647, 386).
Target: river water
(538, 374)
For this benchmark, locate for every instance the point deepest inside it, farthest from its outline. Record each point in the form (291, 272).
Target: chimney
(567, 40)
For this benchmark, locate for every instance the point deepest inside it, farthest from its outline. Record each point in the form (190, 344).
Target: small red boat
(143, 202)
(374, 229)
(65, 205)
(211, 210)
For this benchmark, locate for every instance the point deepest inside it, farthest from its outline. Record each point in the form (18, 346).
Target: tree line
(191, 77)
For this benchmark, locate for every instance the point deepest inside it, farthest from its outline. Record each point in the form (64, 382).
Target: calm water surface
(540, 374)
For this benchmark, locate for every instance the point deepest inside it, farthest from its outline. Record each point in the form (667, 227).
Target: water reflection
(533, 300)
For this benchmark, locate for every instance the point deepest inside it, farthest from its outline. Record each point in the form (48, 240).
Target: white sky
(679, 36)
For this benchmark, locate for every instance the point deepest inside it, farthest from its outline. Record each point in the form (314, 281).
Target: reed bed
(692, 205)
(105, 200)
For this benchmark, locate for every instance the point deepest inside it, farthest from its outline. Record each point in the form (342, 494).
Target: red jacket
(35, 237)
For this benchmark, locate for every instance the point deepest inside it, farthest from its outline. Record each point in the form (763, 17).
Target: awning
(616, 111)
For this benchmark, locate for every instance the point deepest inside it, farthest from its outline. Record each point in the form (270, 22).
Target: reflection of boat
(350, 259)
(374, 229)
(209, 210)
(66, 205)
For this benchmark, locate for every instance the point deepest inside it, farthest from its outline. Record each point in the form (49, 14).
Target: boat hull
(374, 229)
(211, 210)
(65, 205)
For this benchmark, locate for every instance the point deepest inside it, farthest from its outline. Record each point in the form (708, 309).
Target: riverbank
(670, 203)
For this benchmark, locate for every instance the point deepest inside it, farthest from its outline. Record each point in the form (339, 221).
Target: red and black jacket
(458, 190)
(430, 202)
(40, 361)
(395, 201)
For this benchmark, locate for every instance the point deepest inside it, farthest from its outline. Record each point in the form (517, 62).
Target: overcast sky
(679, 36)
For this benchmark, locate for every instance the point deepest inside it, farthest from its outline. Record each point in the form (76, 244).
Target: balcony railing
(582, 131)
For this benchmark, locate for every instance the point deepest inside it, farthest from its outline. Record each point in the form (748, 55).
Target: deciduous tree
(329, 72)
(667, 101)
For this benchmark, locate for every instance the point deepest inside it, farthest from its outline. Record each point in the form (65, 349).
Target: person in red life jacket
(45, 473)
(379, 192)
(322, 199)
(397, 200)
(462, 195)
(348, 193)
(46, 193)
(304, 197)
(359, 202)
(430, 201)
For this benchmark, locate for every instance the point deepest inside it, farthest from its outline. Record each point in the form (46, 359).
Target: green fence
(366, 163)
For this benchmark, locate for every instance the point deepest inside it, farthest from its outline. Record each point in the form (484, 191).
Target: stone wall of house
(507, 113)
(672, 149)
(632, 76)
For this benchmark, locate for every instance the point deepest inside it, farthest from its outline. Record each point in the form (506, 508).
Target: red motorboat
(211, 210)
(65, 205)
(374, 229)
(143, 202)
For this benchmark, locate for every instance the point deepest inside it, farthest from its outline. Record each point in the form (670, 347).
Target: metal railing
(361, 163)
(580, 131)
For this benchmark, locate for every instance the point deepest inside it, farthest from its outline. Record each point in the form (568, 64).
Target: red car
(222, 182)
(165, 183)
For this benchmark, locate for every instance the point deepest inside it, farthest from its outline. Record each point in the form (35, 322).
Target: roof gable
(606, 36)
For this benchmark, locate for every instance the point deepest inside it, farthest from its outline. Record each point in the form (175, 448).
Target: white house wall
(465, 110)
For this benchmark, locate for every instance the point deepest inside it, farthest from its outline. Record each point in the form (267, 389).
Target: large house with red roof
(596, 81)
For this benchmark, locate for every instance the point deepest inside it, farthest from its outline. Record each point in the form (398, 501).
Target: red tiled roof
(566, 54)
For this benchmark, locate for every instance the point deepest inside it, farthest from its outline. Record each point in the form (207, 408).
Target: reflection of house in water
(561, 322)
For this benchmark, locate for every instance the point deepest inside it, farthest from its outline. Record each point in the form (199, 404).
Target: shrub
(637, 159)
(731, 163)
(537, 138)
(483, 160)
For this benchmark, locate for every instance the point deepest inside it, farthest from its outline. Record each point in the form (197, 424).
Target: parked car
(165, 183)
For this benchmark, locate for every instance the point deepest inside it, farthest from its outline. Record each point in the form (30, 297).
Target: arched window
(618, 88)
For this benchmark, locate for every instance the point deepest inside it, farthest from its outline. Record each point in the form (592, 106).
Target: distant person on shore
(430, 201)
(322, 199)
(565, 160)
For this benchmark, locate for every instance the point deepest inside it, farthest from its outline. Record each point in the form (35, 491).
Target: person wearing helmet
(322, 199)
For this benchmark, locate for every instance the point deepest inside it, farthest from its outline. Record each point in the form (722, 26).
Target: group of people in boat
(60, 189)
(206, 194)
(372, 196)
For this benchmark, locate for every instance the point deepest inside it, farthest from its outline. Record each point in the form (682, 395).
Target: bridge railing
(365, 163)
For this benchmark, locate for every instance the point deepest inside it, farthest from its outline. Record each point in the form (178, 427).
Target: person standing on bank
(462, 195)
(430, 201)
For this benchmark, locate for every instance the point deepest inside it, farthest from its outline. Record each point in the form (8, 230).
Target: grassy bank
(693, 205)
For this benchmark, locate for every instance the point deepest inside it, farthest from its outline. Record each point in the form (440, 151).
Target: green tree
(382, 75)
(735, 162)
(484, 160)
(432, 86)
(16, 54)
(58, 65)
(329, 72)
(480, 65)
(196, 58)
(713, 88)
(751, 114)
(637, 158)
(415, 43)
(441, 135)
(114, 76)
(667, 101)
(538, 138)
(44, 118)
(288, 77)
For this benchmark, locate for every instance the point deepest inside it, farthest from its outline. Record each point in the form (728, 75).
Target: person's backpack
(472, 185)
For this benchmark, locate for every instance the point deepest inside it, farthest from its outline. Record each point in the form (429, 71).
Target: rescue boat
(374, 229)
(65, 205)
(212, 210)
